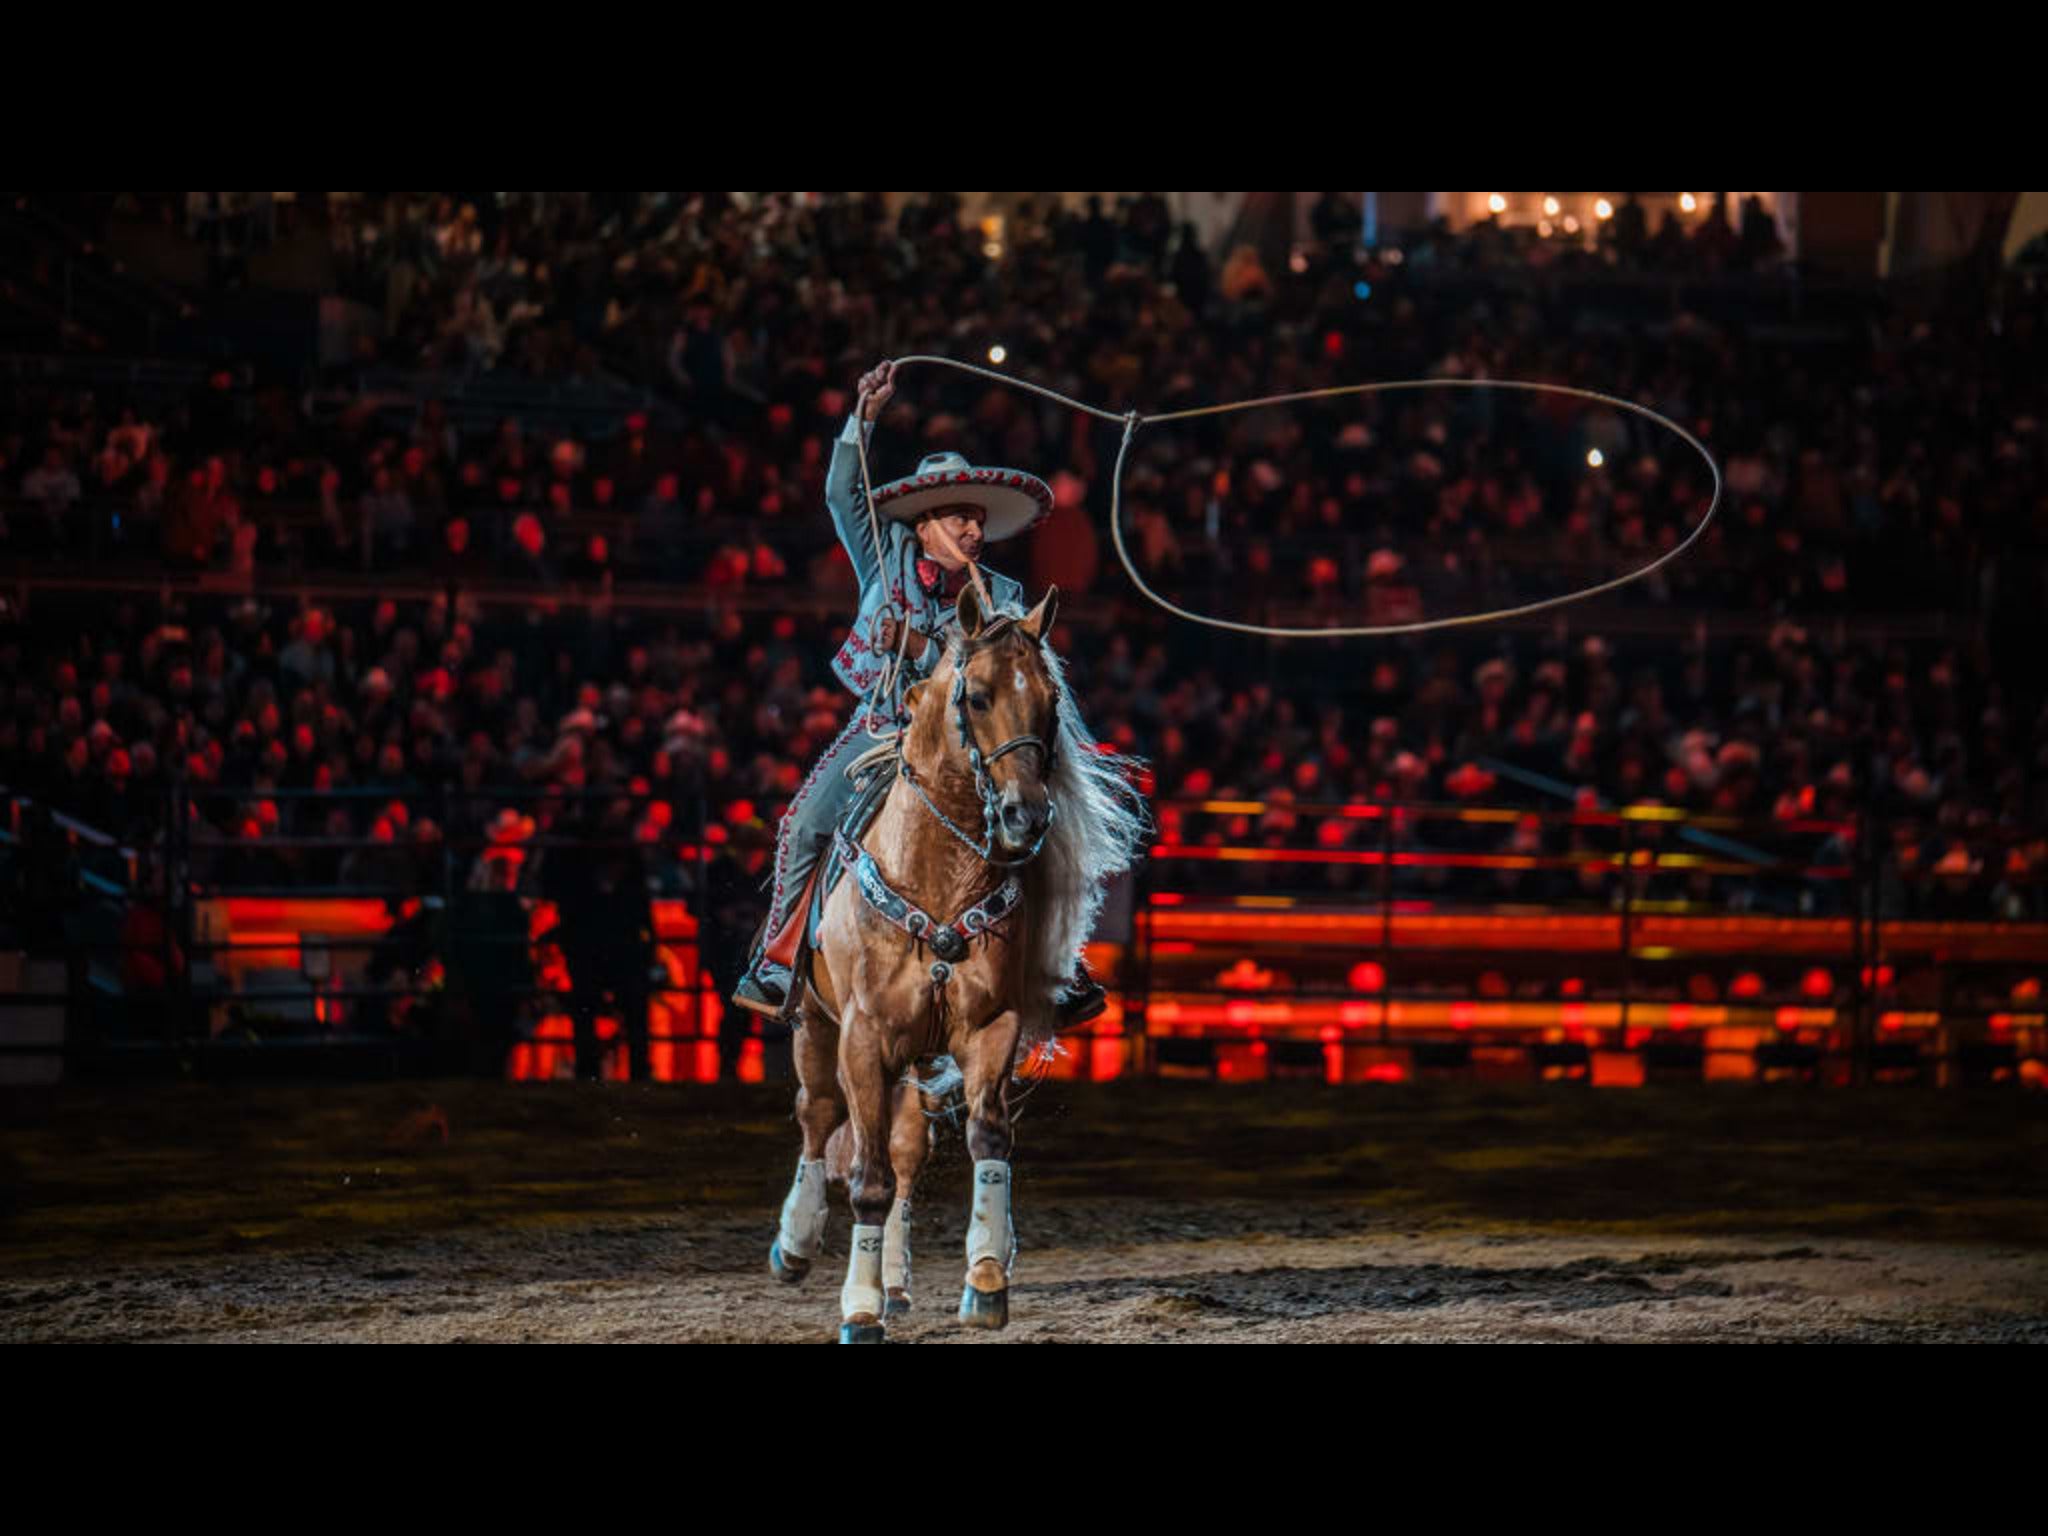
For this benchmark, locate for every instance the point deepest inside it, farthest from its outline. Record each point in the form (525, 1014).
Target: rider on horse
(933, 526)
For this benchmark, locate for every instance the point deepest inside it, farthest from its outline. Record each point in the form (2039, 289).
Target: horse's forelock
(1012, 630)
(961, 651)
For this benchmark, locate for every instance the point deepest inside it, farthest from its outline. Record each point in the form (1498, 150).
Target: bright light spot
(993, 250)
(996, 354)
(1298, 262)
(1571, 224)
(1363, 290)
(1393, 256)
(1596, 458)
(1496, 204)
(1688, 202)
(1603, 209)
(1550, 206)
(1544, 227)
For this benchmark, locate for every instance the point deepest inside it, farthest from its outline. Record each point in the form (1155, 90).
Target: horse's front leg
(986, 1057)
(871, 1183)
(800, 1234)
(909, 1140)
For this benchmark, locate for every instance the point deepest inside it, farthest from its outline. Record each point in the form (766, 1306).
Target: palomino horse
(924, 950)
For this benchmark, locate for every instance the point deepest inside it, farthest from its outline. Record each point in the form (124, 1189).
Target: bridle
(984, 786)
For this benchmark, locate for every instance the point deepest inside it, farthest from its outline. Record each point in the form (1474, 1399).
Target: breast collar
(948, 940)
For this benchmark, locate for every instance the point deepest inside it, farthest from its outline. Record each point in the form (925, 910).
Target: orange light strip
(1367, 810)
(1169, 1014)
(1813, 936)
(1643, 858)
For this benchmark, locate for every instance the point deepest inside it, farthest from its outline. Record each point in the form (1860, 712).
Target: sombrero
(1011, 500)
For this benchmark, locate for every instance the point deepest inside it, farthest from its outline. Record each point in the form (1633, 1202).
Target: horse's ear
(968, 611)
(911, 696)
(1038, 622)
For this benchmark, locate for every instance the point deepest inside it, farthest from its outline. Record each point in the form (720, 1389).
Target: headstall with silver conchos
(984, 786)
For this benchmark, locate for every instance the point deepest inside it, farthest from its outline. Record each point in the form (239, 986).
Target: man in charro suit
(933, 524)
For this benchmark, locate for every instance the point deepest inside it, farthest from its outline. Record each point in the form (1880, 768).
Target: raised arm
(842, 480)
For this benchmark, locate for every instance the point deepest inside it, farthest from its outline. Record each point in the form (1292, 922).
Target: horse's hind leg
(986, 1057)
(800, 1237)
(909, 1138)
(871, 1183)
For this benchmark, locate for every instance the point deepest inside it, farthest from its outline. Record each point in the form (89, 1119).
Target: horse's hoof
(786, 1267)
(984, 1309)
(897, 1303)
(860, 1333)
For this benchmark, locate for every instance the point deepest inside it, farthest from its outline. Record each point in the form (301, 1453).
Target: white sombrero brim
(1011, 500)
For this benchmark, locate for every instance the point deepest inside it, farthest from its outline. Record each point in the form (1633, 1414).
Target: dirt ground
(1146, 1211)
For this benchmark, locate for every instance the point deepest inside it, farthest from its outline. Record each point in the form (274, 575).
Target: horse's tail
(839, 1154)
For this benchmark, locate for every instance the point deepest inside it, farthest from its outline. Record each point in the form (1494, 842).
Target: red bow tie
(929, 575)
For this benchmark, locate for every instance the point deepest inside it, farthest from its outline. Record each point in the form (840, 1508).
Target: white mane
(1099, 824)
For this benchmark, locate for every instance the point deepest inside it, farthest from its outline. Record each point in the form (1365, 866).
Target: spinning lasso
(1132, 420)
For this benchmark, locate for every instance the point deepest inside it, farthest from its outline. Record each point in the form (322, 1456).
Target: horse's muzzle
(1019, 825)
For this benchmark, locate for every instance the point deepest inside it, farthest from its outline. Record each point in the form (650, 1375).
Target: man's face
(962, 524)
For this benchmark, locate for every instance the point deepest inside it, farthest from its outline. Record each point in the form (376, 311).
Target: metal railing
(384, 938)
(1822, 941)
(1276, 928)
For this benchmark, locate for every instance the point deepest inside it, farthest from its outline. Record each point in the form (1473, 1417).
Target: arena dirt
(1146, 1211)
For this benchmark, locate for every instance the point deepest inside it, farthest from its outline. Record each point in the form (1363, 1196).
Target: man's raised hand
(876, 386)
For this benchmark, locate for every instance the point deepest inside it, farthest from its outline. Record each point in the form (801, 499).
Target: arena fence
(539, 933)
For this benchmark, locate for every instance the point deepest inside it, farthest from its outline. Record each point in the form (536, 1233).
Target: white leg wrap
(803, 1212)
(896, 1248)
(861, 1296)
(989, 1234)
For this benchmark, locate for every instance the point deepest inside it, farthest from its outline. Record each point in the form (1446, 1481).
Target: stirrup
(1083, 1000)
(758, 992)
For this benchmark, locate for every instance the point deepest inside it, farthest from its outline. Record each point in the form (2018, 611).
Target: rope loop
(1131, 420)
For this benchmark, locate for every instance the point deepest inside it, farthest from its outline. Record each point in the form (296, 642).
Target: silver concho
(941, 973)
(947, 944)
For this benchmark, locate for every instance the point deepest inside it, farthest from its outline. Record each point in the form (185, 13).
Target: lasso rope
(1132, 420)
(888, 668)
(891, 668)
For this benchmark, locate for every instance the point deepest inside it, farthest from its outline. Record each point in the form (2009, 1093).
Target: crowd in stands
(1900, 468)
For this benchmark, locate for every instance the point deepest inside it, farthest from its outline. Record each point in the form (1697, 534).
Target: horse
(927, 949)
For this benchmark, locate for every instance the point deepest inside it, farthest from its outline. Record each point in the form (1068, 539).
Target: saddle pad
(868, 795)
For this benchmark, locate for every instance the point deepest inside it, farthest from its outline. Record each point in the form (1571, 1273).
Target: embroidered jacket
(890, 586)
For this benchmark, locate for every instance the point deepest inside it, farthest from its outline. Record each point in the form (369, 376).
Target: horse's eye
(977, 701)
